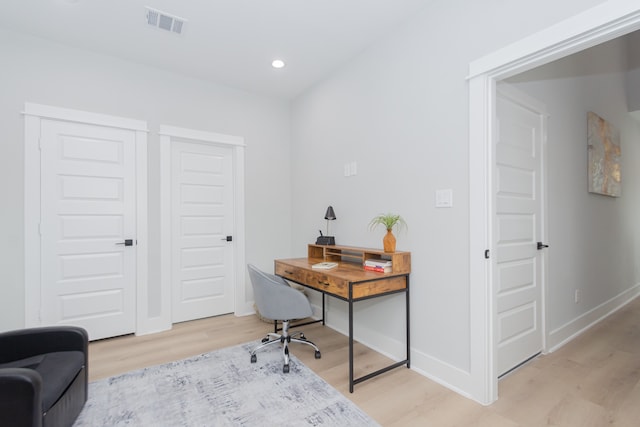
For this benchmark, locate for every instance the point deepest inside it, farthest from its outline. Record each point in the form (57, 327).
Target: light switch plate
(444, 198)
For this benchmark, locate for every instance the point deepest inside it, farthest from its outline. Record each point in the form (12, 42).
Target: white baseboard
(449, 376)
(245, 309)
(153, 325)
(443, 373)
(567, 332)
(460, 380)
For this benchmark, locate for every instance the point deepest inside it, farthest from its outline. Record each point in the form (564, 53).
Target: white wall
(633, 89)
(35, 70)
(401, 111)
(633, 76)
(594, 239)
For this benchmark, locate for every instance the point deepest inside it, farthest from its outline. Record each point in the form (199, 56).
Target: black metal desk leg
(350, 339)
(408, 323)
(323, 312)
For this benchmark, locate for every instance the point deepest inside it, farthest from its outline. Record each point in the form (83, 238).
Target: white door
(87, 212)
(518, 226)
(201, 230)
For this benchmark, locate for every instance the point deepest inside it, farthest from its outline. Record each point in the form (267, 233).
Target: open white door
(518, 227)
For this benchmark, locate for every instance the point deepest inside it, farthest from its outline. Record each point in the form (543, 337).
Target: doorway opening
(597, 25)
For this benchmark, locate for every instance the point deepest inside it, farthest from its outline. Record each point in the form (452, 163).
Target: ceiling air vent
(165, 21)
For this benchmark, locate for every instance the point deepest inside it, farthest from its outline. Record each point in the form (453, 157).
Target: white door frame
(604, 22)
(167, 135)
(34, 113)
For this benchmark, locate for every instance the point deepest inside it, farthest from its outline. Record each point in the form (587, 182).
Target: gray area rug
(221, 388)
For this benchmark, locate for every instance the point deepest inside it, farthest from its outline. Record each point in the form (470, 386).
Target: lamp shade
(330, 215)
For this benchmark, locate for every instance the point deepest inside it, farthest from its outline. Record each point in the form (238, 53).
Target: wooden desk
(351, 283)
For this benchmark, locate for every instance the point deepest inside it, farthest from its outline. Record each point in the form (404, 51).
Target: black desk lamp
(330, 215)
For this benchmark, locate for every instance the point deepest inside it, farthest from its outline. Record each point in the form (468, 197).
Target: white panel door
(201, 219)
(88, 210)
(518, 226)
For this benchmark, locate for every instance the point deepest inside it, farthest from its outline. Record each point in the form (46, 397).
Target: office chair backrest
(275, 299)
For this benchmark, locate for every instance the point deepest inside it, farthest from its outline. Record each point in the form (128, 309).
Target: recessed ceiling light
(277, 63)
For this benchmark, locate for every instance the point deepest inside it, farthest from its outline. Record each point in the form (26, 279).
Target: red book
(378, 269)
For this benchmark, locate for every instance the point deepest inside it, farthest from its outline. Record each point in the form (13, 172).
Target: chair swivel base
(284, 339)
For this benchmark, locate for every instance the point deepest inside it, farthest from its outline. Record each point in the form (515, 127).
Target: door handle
(227, 239)
(542, 246)
(127, 242)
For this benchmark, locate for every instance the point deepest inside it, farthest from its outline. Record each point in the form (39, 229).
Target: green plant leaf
(389, 221)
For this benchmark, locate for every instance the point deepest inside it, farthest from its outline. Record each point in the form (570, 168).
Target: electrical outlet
(351, 168)
(576, 296)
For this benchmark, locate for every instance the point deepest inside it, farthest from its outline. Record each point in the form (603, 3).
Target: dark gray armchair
(43, 376)
(276, 300)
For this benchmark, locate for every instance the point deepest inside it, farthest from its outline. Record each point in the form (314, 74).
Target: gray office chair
(278, 301)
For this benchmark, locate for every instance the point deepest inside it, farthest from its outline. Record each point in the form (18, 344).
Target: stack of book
(379, 265)
(325, 265)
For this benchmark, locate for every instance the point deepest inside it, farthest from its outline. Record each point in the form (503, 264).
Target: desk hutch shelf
(400, 261)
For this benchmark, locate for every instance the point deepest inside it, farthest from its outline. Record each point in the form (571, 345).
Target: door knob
(127, 242)
(542, 246)
(227, 239)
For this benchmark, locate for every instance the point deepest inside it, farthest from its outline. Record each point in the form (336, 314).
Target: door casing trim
(236, 143)
(34, 114)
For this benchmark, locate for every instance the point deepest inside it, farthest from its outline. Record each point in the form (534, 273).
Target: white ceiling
(230, 42)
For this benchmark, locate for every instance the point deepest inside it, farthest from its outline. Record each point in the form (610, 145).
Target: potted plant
(388, 221)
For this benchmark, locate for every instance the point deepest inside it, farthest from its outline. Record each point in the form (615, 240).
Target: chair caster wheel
(285, 369)
(265, 339)
(318, 355)
(254, 358)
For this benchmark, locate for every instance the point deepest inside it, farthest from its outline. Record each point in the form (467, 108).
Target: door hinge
(487, 254)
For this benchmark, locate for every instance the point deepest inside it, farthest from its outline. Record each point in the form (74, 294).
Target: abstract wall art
(604, 156)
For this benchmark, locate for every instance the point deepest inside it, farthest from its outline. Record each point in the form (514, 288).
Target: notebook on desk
(325, 265)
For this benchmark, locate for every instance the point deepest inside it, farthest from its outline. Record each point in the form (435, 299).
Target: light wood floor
(592, 381)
